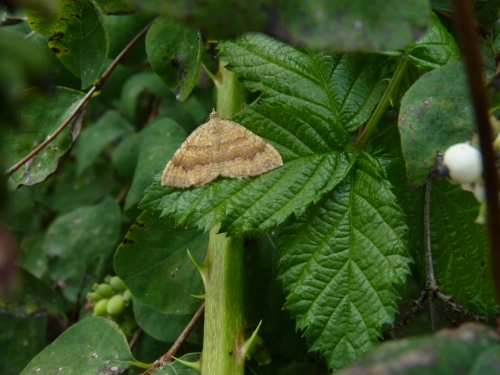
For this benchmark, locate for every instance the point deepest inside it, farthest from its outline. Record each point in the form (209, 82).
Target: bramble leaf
(339, 262)
(310, 105)
(459, 249)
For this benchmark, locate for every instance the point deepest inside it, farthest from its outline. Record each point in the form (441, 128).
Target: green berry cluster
(113, 300)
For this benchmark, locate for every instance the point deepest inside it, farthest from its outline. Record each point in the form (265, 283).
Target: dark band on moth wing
(194, 156)
(240, 148)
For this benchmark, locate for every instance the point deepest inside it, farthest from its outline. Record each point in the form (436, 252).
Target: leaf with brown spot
(77, 35)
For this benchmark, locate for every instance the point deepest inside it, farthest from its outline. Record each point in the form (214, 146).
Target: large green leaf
(341, 90)
(175, 55)
(471, 349)
(460, 253)
(158, 143)
(77, 237)
(311, 103)
(166, 278)
(435, 113)
(354, 25)
(340, 261)
(41, 114)
(77, 35)
(93, 346)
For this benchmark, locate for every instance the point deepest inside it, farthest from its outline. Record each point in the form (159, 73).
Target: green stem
(383, 104)
(223, 339)
(230, 92)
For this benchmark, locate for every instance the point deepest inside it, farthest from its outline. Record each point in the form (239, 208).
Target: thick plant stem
(230, 92)
(223, 336)
(389, 93)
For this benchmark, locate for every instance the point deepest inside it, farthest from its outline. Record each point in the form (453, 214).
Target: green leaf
(340, 261)
(41, 114)
(67, 191)
(125, 155)
(308, 108)
(165, 327)
(176, 368)
(437, 47)
(92, 346)
(175, 55)
(95, 138)
(77, 237)
(77, 35)
(354, 25)
(35, 299)
(252, 205)
(167, 278)
(470, 349)
(460, 253)
(220, 19)
(136, 86)
(119, 7)
(158, 143)
(21, 339)
(20, 211)
(338, 89)
(435, 113)
(261, 273)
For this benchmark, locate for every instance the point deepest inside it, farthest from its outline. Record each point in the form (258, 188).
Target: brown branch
(123, 192)
(167, 357)
(474, 68)
(134, 338)
(96, 87)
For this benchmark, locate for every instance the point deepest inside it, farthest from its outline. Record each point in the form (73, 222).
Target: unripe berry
(100, 307)
(116, 305)
(105, 290)
(463, 162)
(94, 297)
(127, 296)
(117, 284)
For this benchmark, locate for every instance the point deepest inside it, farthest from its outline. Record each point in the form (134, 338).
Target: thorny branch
(167, 357)
(95, 88)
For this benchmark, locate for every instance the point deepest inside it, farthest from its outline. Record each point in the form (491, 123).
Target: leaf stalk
(383, 104)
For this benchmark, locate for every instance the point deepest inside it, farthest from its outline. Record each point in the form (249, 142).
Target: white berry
(463, 162)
